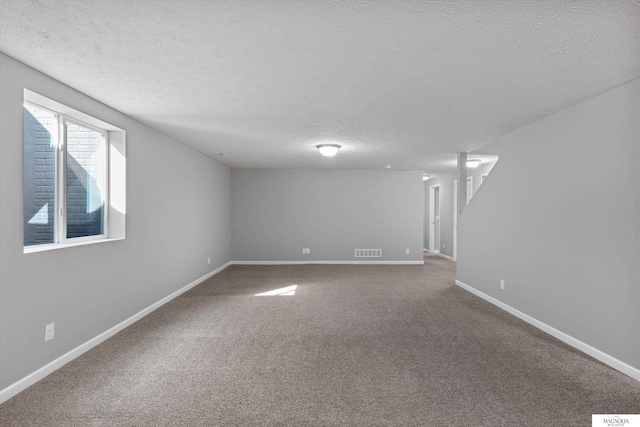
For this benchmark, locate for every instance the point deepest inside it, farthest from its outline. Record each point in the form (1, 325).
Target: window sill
(53, 246)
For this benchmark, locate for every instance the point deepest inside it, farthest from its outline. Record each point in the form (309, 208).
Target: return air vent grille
(368, 253)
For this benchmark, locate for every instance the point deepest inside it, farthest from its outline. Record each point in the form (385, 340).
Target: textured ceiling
(401, 83)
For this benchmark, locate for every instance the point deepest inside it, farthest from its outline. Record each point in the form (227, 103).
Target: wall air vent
(368, 253)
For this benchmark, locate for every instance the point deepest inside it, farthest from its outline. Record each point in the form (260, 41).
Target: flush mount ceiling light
(473, 163)
(328, 150)
(425, 177)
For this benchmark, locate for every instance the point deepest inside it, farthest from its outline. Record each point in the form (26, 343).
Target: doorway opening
(455, 220)
(434, 219)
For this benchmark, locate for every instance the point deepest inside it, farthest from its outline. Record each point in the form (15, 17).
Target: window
(73, 168)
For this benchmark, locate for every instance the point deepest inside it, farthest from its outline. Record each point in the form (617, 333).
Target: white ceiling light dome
(328, 150)
(473, 163)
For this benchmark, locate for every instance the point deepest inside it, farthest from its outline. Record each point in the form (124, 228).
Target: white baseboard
(447, 257)
(50, 367)
(432, 252)
(327, 262)
(568, 339)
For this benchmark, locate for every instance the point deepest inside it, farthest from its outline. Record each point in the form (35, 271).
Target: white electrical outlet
(304, 250)
(49, 331)
(308, 250)
(443, 246)
(501, 283)
(208, 260)
(407, 251)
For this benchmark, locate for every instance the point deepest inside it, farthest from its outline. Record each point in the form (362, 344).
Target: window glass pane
(40, 134)
(85, 187)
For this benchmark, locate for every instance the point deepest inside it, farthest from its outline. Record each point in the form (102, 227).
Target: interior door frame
(432, 217)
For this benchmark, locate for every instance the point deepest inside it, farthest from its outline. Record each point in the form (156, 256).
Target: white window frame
(65, 115)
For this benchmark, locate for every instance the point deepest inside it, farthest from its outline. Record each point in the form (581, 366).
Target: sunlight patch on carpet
(286, 291)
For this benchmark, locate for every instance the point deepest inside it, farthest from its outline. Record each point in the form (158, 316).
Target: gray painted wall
(277, 212)
(559, 221)
(178, 214)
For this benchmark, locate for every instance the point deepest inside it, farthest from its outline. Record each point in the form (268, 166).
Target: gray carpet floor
(363, 345)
